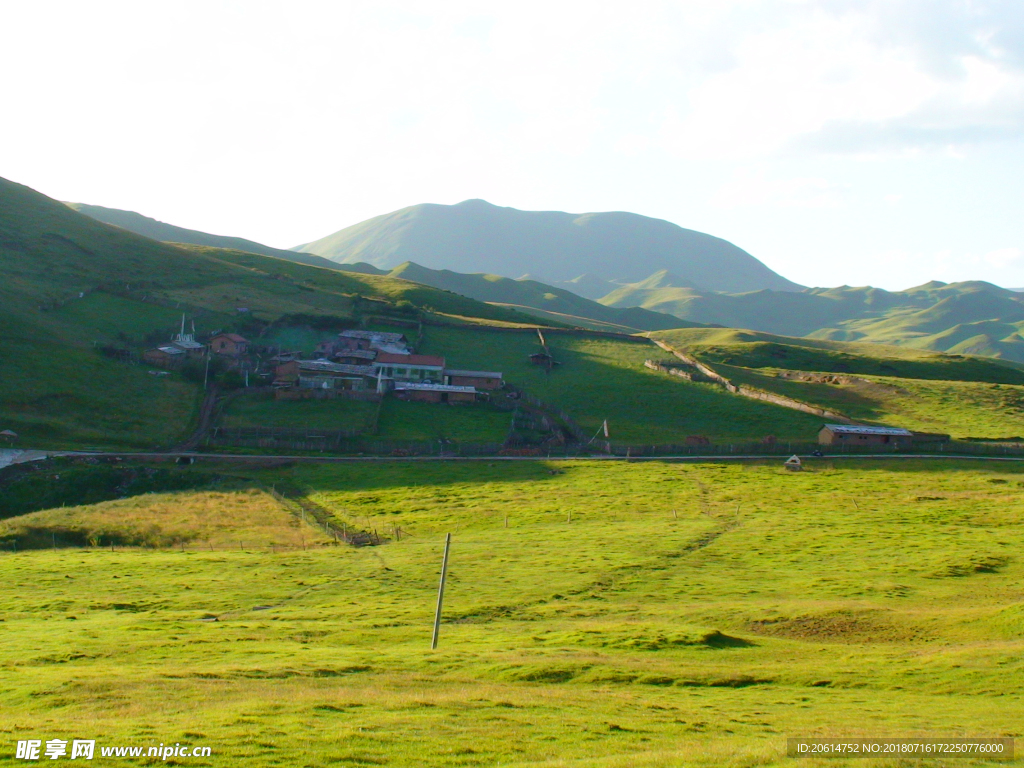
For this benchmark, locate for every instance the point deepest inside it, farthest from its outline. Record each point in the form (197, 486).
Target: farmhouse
(187, 344)
(229, 344)
(356, 356)
(321, 374)
(478, 379)
(167, 356)
(854, 434)
(382, 341)
(434, 393)
(416, 368)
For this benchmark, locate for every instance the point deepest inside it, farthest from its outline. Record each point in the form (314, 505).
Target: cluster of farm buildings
(378, 361)
(355, 361)
(381, 362)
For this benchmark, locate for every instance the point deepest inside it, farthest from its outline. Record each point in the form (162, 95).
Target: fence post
(440, 592)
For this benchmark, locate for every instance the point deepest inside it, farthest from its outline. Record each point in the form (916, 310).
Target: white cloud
(755, 189)
(1005, 257)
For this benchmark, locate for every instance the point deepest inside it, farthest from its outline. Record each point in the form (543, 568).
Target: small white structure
(793, 463)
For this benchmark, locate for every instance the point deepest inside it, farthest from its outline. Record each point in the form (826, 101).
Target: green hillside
(762, 350)
(529, 293)
(603, 378)
(158, 230)
(967, 397)
(972, 317)
(476, 236)
(71, 284)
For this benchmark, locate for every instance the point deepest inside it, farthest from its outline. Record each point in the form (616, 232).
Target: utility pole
(440, 592)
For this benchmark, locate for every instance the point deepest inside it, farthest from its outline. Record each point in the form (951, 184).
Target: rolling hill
(552, 304)
(552, 246)
(970, 317)
(529, 294)
(158, 230)
(71, 286)
(968, 397)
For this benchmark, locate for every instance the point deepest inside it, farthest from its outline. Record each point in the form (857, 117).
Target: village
(354, 364)
(361, 364)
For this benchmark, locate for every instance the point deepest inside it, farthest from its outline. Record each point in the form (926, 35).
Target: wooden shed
(479, 379)
(856, 434)
(167, 356)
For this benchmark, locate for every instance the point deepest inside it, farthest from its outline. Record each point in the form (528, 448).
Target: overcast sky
(840, 142)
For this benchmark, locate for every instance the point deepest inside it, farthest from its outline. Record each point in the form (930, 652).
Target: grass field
(601, 378)
(225, 517)
(262, 410)
(960, 408)
(686, 615)
(473, 423)
(762, 350)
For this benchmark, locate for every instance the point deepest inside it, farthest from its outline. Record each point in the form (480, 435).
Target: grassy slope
(261, 410)
(970, 317)
(158, 230)
(963, 396)
(961, 408)
(761, 350)
(476, 423)
(570, 644)
(605, 379)
(530, 293)
(224, 517)
(56, 392)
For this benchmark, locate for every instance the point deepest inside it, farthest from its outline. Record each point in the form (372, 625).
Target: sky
(841, 142)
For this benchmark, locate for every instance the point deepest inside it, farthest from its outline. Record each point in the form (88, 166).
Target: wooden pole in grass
(440, 591)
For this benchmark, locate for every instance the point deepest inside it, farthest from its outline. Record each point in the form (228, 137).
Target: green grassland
(227, 515)
(262, 410)
(686, 615)
(971, 317)
(762, 350)
(604, 378)
(466, 422)
(963, 409)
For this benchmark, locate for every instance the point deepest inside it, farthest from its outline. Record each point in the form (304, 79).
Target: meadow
(605, 378)
(964, 409)
(597, 614)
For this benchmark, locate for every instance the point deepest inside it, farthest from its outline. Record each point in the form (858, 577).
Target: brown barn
(229, 344)
(165, 357)
(855, 434)
(478, 379)
(434, 393)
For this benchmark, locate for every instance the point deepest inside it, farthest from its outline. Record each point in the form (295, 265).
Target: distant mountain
(554, 303)
(553, 246)
(589, 286)
(966, 318)
(168, 233)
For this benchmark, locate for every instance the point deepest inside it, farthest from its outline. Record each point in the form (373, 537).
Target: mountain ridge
(553, 246)
(169, 233)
